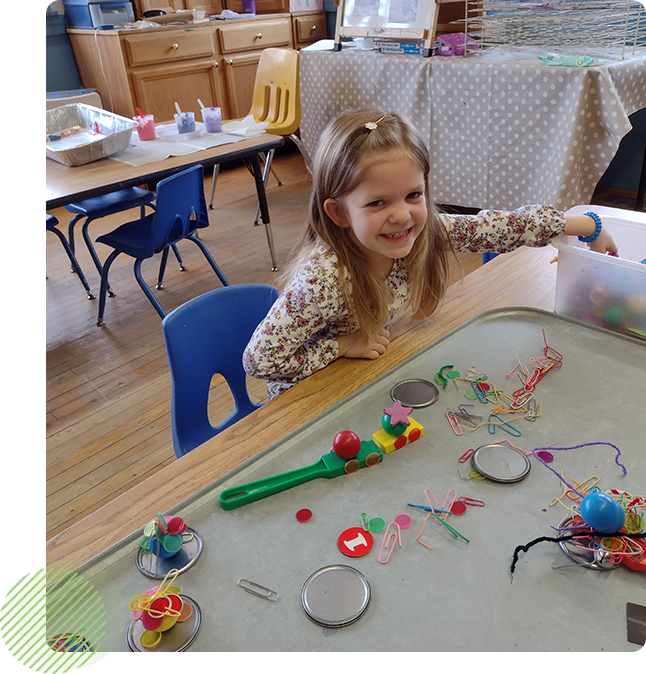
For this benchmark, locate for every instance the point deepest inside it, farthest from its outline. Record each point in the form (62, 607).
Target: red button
(355, 542)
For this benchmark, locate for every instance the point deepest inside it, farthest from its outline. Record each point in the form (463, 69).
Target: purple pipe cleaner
(585, 444)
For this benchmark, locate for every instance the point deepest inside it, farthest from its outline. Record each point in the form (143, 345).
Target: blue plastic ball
(602, 513)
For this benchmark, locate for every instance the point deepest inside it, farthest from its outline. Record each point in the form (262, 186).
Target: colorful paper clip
(453, 421)
(385, 541)
(471, 501)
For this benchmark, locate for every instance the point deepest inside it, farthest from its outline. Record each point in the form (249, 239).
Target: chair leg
(216, 172)
(209, 259)
(75, 265)
(270, 168)
(93, 254)
(104, 285)
(162, 269)
(306, 157)
(147, 290)
(182, 266)
(70, 232)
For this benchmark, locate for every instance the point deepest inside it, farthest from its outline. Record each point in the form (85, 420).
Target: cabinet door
(240, 74)
(157, 89)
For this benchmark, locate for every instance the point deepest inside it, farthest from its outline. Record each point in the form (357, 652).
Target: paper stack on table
(246, 127)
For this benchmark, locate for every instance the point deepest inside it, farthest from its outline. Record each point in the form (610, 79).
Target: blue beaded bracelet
(597, 231)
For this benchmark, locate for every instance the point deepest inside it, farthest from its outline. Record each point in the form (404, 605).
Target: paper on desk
(245, 127)
(142, 152)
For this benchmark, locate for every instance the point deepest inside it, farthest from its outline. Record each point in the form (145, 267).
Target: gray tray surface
(456, 596)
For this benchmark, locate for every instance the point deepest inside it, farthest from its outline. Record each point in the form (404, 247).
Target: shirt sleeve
(298, 335)
(504, 231)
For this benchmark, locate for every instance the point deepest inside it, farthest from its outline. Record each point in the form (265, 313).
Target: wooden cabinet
(152, 69)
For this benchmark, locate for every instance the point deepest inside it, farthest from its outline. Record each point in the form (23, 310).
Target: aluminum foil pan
(79, 134)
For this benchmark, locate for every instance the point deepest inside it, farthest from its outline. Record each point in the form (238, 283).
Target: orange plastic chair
(276, 100)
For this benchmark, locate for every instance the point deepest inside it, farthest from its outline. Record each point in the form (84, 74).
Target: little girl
(376, 245)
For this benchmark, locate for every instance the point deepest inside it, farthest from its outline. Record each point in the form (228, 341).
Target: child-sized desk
(456, 596)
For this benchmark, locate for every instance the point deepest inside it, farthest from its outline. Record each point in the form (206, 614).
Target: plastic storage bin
(606, 291)
(85, 14)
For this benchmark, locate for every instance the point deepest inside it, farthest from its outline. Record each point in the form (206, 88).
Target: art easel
(434, 16)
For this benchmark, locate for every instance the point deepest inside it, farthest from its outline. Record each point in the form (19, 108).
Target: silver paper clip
(258, 590)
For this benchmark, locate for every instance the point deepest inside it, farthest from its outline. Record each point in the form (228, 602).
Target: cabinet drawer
(255, 35)
(310, 28)
(168, 46)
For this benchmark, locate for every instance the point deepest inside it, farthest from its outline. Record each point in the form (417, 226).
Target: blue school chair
(206, 336)
(488, 256)
(180, 210)
(104, 205)
(51, 226)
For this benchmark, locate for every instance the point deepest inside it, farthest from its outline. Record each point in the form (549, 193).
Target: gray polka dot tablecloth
(503, 128)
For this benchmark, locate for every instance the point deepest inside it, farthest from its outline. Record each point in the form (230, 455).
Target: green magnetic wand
(348, 455)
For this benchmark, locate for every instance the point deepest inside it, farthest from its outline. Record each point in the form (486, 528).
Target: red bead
(346, 444)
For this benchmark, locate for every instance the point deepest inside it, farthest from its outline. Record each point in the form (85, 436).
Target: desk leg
(264, 210)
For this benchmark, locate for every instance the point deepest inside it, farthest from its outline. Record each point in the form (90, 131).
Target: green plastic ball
(398, 429)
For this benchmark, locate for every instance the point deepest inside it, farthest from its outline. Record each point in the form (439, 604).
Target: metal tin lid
(415, 393)
(578, 551)
(335, 596)
(177, 639)
(501, 462)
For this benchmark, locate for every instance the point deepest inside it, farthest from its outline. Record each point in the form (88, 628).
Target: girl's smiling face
(386, 211)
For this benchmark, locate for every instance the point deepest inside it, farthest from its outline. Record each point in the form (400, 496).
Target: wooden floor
(108, 389)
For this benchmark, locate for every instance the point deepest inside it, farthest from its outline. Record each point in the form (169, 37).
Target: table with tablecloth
(503, 128)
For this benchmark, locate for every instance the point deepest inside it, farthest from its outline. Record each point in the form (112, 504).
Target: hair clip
(371, 126)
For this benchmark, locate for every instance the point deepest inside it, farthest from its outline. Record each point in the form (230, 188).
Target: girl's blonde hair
(345, 150)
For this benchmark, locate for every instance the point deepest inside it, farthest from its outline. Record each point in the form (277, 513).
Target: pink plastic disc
(404, 521)
(548, 457)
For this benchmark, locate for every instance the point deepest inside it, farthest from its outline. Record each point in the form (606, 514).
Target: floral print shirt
(298, 336)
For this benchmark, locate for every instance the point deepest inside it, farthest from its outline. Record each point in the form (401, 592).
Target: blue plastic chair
(486, 257)
(102, 206)
(52, 226)
(206, 336)
(181, 209)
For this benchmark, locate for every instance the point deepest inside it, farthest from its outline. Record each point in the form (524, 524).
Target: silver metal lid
(501, 462)
(578, 551)
(335, 596)
(178, 638)
(415, 393)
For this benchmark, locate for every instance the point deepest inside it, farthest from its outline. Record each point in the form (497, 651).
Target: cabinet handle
(259, 36)
(175, 46)
(313, 28)
(216, 64)
(230, 62)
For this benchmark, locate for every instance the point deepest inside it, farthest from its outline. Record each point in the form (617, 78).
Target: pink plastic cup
(146, 127)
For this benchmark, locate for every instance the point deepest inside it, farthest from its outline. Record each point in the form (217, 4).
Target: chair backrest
(206, 336)
(180, 208)
(276, 91)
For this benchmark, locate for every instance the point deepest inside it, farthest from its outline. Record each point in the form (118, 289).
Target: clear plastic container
(606, 291)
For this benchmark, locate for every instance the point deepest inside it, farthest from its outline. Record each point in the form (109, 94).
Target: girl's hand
(355, 345)
(604, 243)
(584, 225)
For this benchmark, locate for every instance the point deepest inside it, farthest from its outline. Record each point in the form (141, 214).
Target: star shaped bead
(398, 414)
